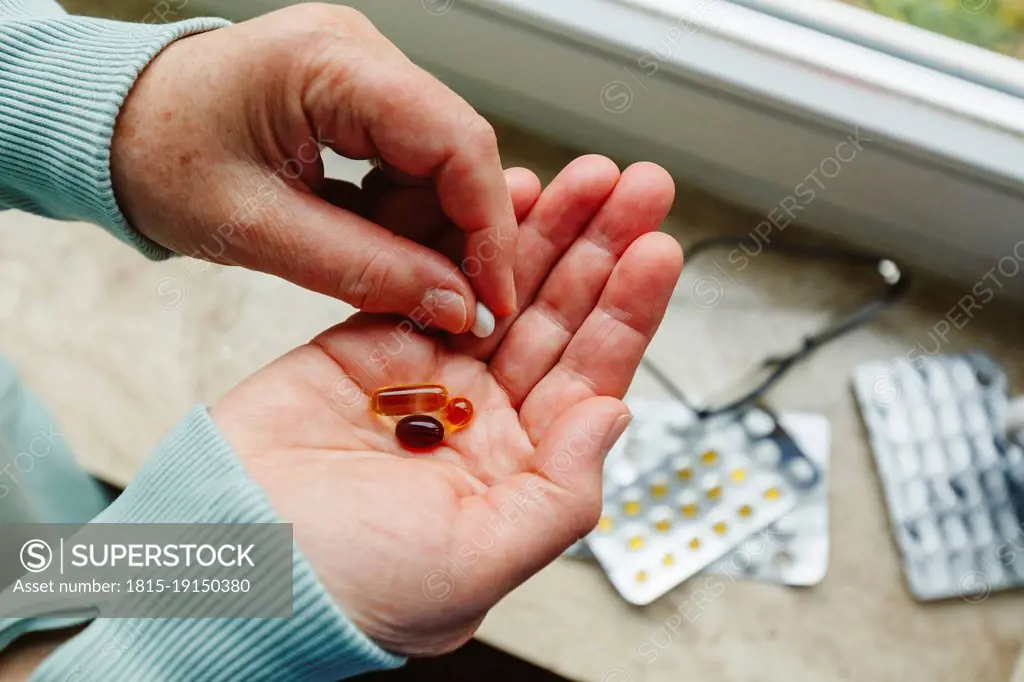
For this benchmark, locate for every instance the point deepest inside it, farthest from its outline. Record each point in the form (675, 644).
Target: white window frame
(748, 105)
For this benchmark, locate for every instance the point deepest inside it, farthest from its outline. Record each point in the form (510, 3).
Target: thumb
(546, 510)
(343, 255)
(571, 457)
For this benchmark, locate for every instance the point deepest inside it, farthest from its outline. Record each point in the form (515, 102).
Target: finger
(533, 517)
(410, 211)
(564, 209)
(397, 177)
(563, 212)
(524, 187)
(416, 213)
(361, 263)
(604, 354)
(413, 212)
(423, 129)
(343, 194)
(537, 338)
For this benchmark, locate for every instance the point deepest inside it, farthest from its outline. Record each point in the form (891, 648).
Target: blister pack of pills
(681, 493)
(794, 549)
(953, 482)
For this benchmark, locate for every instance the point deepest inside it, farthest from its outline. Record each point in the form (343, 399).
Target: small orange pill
(397, 401)
(459, 412)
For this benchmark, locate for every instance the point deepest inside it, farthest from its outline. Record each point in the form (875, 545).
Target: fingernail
(449, 304)
(618, 428)
(483, 326)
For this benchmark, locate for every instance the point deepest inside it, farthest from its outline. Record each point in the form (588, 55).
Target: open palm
(417, 548)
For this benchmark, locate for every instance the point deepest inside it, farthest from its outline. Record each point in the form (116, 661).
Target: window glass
(995, 24)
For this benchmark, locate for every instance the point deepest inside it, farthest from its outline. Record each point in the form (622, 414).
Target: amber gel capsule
(397, 401)
(458, 413)
(419, 432)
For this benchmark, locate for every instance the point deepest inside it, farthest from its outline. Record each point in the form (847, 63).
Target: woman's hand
(417, 548)
(216, 155)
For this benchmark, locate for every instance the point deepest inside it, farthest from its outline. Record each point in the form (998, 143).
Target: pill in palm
(458, 413)
(397, 401)
(419, 432)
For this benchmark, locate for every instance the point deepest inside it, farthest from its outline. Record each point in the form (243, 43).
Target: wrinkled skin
(216, 155)
(417, 548)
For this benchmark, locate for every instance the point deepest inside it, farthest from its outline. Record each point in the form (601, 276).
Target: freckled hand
(216, 155)
(417, 548)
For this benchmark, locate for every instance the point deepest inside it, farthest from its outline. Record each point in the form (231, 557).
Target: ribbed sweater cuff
(62, 83)
(193, 476)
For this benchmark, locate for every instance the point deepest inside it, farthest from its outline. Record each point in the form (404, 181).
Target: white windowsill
(917, 45)
(745, 106)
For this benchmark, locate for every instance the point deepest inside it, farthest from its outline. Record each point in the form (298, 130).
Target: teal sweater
(62, 82)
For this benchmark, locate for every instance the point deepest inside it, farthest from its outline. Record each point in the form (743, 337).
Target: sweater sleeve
(63, 80)
(193, 476)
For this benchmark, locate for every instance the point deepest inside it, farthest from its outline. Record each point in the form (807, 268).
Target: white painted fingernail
(483, 326)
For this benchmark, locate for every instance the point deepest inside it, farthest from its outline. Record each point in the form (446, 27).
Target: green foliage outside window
(995, 24)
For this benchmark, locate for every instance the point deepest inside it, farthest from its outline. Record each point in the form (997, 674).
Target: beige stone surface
(120, 348)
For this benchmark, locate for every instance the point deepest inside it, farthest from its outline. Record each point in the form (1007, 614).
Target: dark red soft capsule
(419, 432)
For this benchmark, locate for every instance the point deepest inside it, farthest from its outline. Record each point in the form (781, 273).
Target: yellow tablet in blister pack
(680, 494)
(792, 550)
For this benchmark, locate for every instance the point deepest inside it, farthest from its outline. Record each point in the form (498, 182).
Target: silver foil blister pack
(953, 482)
(794, 549)
(681, 493)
